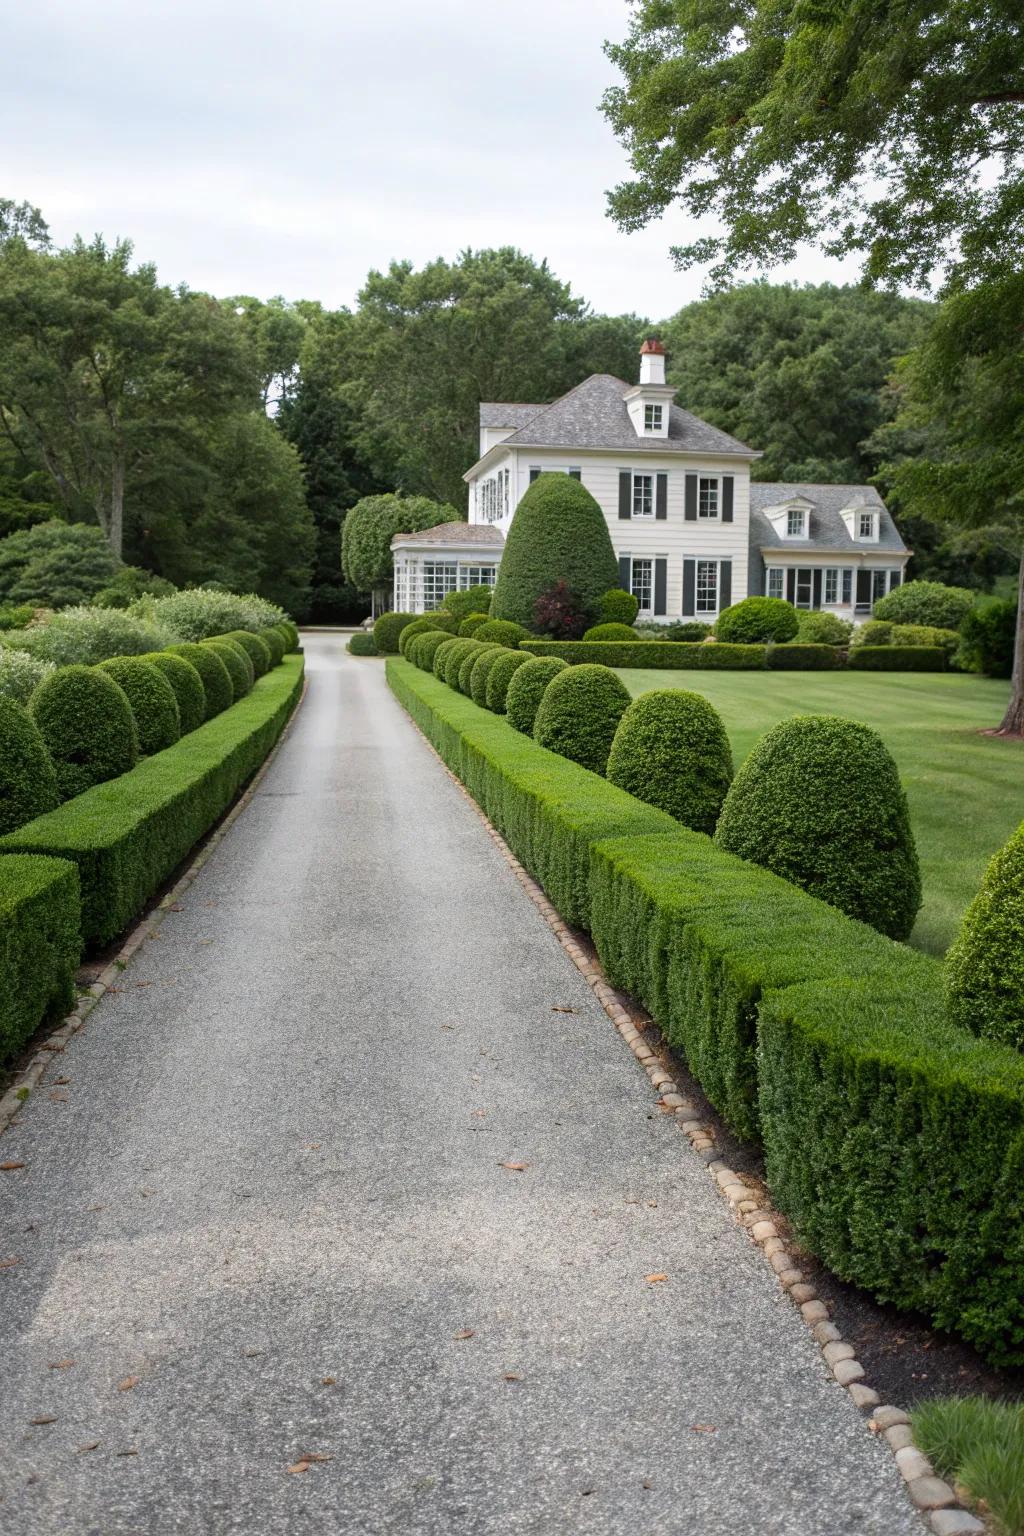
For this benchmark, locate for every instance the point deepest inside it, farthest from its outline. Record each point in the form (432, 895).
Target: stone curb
(21, 1089)
(932, 1497)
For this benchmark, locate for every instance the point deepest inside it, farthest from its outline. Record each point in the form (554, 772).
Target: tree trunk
(1013, 720)
(115, 524)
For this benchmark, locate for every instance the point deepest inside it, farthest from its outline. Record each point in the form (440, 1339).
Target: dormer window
(653, 417)
(865, 525)
(795, 521)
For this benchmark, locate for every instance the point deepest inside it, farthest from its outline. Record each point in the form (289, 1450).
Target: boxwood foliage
(387, 630)
(987, 638)
(127, 836)
(290, 632)
(467, 664)
(985, 964)
(558, 532)
(926, 602)
(501, 632)
(39, 944)
(669, 655)
(499, 677)
(215, 676)
(757, 621)
(272, 637)
(472, 622)
(454, 655)
(28, 784)
(897, 658)
(256, 648)
(237, 662)
(612, 631)
(617, 606)
(427, 647)
(579, 714)
(481, 671)
(796, 656)
(819, 801)
(526, 689)
(671, 750)
(362, 644)
(87, 727)
(471, 600)
(424, 625)
(187, 686)
(154, 706)
(439, 665)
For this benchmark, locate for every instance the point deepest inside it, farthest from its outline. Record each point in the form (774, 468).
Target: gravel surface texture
(266, 1215)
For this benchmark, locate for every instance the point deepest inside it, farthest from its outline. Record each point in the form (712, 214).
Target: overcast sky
(256, 147)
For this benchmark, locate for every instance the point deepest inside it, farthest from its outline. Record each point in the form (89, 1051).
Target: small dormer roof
(827, 529)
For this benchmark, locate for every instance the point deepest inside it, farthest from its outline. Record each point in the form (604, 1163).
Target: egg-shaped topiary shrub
(472, 623)
(387, 630)
(362, 644)
(612, 632)
(28, 784)
(237, 662)
(558, 533)
(617, 606)
(470, 600)
(671, 750)
(255, 647)
(291, 635)
(819, 801)
(758, 621)
(454, 655)
(272, 640)
(467, 664)
(427, 647)
(580, 713)
(499, 677)
(423, 626)
(87, 727)
(482, 670)
(501, 632)
(187, 686)
(440, 662)
(526, 690)
(215, 676)
(157, 717)
(985, 964)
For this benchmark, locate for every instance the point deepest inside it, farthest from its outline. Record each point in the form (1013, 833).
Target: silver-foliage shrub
(21, 674)
(86, 635)
(200, 614)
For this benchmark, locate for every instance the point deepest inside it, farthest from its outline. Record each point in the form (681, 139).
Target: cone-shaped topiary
(427, 647)
(579, 715)
(499, 677)
(28, 784)
(387, 630)
(237, 662)
(671, 750)
(819, 801)
(618, 606)
(985, 965)
(757, 621)
(187, 685)
(472, 623)
(272, 638)
(157, 718)
(87, 726)
(255, 647)
(215, 675)
(526, 690)
(481, 671)
(611, 632)
(501, 632)
(558, 533)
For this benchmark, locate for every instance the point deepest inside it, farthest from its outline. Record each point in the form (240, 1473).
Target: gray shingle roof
(594, 415)
(497, 414)
(827, 528)
(453, 533)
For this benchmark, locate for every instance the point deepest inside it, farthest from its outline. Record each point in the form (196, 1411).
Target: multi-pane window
(776, 580)
(707, 496)
(847, 585)
(477, 576)
(643, 495)
(652, 418)
(795, 523)
(439, 578)
(832, 585)
(865, 525)
(493, 497)
(804, 586)
(707, 586)
(641, 583)
(879, 584)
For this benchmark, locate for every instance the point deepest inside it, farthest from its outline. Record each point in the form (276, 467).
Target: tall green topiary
(671, 750)
(154, 706)
(238, 665)
(28, 784)
(87, 727)
(819, 801)
(215, 675)
(526, 690)
(481, 671)
(187, 686)
(558, 533)
(579, 715)
(618, 606)
(757, 621)
(499, 677)
(985, 965)
(255, 647)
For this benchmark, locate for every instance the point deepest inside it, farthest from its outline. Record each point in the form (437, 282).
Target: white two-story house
(692, 532)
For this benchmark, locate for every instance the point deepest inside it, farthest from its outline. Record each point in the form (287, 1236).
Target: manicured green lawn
(966, 791)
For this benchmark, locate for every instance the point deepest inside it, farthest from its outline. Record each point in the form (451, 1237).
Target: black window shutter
(661, 508)
(863, 587)
(625, 493)
(533, 475)
(691, 498)
(624, 572)
(689, 587)
(727, 481)
(791, 584)
(724, 584)
(660, 586)
(816, 590)
(575, 474)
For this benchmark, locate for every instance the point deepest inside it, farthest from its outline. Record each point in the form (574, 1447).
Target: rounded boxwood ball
(87, 726)
(28, 784)
(215, 675)
(157, 718)
(454, 656)
(985, 965)
(388, 628)
(466, 667)
(427, 647)
(558, 533)
(499, 677)
(671, 750)
(237, 662)
(501, 632)
(440, 662)
(422, 626)
(472, 623)
(272, 640)
(187, 686)
(481, 671)
(758, 621)
(579, 714)
(256, 648)
(611, 632)
(618, 606)
(819, 801)
(526, 690)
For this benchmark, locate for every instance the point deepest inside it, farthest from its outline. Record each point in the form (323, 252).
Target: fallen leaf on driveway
(655, 1279)
(60, 1365)
(90, 1445)
(465, 1333)
(128, 1383)
(44, 1418)
(704, 1429)
(9, 1263)
(328, 1381)
(130, 1452)
(557, 1009)
(510, 1376)
(305, 1462)
(10, 1167)
(515, 1167)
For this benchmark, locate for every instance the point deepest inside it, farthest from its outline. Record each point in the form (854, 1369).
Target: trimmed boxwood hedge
(454, 655)
(798, 657)
(499, 677)
(362, 644)
(39, 944)
(215, 676)
(526, 690)
(897, 658)
(758, 621)
(680, 655)
(187, 686)
(478, 649)
(388, 628)
(87, 726)
(274, 640)
(152, 700)
(128, 836)
(240, 669)
(985, 966)
(579, 714)
(481, 670)
(618, 606)
(439, 664)
(255, 647)
(472, 622)
(671, 750)
(624, 632)
(501, 632)
(28, 784)
(427, 647)
(424, 625)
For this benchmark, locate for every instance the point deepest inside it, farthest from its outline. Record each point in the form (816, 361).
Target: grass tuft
(980, 1445)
